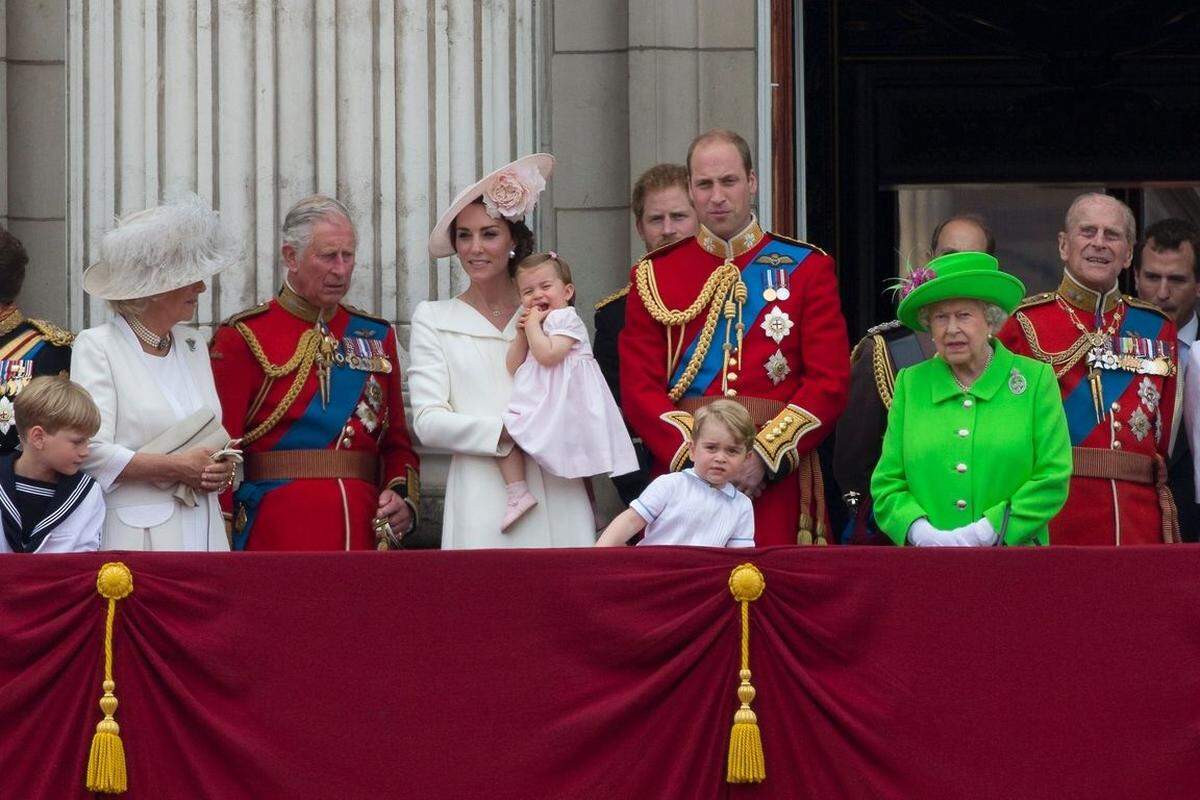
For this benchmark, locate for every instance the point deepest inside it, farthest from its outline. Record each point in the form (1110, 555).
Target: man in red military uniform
(738, 312)
(312, 388)
(1116, 364)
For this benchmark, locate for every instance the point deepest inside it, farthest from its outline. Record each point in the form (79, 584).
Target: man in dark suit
(1166, 274)
(662, 213)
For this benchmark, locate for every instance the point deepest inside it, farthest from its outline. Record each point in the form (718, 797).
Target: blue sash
(1081, 413)
(317, 428)
(753, 275)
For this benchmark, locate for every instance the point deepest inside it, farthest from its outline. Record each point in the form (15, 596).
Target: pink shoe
(515, 508)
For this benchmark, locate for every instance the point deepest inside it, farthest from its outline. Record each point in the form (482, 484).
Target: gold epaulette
(249, 312)
(617, 295)
(800, 242)
(1035, 300)
(367, 314)
(1133, 301)
(52, 333)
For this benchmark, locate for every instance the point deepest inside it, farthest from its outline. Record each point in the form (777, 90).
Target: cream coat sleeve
(435, 421)
(92, 369)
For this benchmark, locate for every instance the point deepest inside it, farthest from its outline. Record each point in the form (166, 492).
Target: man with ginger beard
(662, 214)
(1115, 358)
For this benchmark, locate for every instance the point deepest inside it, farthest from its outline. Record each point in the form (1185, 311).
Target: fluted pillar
(392, 105)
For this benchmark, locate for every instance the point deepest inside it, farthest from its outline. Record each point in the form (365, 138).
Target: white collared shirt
(682, 508)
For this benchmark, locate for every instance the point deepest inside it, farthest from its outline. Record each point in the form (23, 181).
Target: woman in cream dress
(150, 376)
(458, 382)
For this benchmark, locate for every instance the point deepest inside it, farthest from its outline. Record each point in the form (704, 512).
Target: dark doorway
(977, 93)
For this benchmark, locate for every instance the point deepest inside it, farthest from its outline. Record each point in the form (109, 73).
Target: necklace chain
(149, 337)
(496, 312)
(985, 366)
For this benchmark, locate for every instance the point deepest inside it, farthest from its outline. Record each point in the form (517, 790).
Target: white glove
(976, 534)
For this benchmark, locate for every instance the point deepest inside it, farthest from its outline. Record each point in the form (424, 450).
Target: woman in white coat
(459, 384)
(151, 379)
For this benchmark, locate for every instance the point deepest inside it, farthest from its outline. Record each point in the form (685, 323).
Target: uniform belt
(761, 409)
(282, 465)
(1094, 462)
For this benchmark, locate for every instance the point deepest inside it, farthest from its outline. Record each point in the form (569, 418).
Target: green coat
(1000, 451)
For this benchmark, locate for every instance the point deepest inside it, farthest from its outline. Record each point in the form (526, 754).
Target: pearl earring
(512, 253)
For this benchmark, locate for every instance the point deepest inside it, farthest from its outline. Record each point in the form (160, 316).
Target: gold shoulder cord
(885, 373)
(1063, 360)
(300, 363)
(718, 291)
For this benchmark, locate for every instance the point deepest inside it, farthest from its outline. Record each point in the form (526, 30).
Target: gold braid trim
(1063, 360)
(885, 372)
(713, 295)
(300, 363)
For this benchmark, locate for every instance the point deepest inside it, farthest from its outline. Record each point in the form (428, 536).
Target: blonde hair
(732, 415)
(54, 402)
(535, 260)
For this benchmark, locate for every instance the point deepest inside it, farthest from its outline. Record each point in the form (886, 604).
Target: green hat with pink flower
(510, 193)
(954, 276)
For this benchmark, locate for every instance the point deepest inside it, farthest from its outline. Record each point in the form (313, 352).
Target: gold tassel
(745, 764)
(106, 761)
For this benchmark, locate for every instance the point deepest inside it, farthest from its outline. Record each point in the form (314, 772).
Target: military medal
(768, 277)
(6, 415)
(784, 292)
(777, 367)
(777, 324)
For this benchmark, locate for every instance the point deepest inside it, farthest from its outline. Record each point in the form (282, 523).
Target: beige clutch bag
(199, 429)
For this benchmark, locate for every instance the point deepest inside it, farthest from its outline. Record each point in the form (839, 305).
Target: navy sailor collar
(68, 494)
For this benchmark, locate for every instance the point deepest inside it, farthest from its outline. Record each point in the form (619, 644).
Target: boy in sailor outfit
(46, 504)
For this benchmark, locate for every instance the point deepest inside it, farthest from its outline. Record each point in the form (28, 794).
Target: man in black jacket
(662, 213)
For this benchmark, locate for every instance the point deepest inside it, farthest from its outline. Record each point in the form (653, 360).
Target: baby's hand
(535, 315)
(522, 317)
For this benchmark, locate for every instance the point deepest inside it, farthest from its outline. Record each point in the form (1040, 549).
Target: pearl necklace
(160, 343)
(985, 366)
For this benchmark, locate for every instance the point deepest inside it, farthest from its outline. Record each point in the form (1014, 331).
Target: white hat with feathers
(160, 249)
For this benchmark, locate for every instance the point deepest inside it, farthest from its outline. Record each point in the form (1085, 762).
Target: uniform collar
(1086, 299)
(743, 242)
(297, 306)
(985, 386)
(10, 321)
(729, 490)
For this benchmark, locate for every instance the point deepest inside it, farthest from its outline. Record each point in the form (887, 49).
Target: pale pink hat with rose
(510, 192)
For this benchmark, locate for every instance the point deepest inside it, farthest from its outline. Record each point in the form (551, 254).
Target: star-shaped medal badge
(367, 415)
(6, 415)
(777, 324)
(777, 367)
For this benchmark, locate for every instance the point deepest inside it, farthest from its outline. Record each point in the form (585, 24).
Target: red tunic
(1137, 408)
(365, 413)
(794, 355)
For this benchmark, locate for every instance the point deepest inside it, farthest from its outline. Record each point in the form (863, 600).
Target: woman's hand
(196, 469)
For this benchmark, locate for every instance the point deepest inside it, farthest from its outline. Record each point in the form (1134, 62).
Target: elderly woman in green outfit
(976, 451)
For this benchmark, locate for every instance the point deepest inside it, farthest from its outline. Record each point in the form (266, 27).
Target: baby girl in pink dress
(561, 412)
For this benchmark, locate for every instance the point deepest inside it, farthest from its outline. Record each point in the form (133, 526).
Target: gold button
(1116, 406)
(788, 420)
(961, 504)
(771, 437)
(961, 468)
(731, 392)
(963, 432)
(346, 442)
(1116, 445)
(1116, 425)
(733, 362)
(349, 430)
(732, 376)
(778, 429)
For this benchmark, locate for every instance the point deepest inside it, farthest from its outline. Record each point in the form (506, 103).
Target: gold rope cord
(300, 362)
(1064, 360)
(885, 373)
